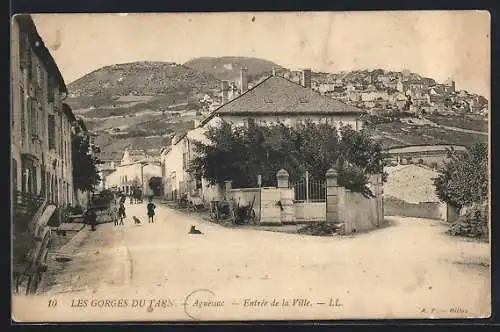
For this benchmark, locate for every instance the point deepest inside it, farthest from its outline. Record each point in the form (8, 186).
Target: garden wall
(430, 210)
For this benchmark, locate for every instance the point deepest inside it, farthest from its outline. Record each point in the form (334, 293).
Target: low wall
(270, 211)
(357, 212)
(310, 211)
(211, 193)
(430, 210)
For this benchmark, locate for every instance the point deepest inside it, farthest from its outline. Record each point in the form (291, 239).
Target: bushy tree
(155, 184)
(85, 172)
(240, 154)
(463, 180)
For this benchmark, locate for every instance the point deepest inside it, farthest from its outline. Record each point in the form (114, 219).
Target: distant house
(277, 99)
(449, 86)
(105, 169)
(399, 99)
(430, 154)
(326, 87)
(135, 170)
(374, 96)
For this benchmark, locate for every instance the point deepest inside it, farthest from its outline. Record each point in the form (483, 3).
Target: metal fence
(309, 190)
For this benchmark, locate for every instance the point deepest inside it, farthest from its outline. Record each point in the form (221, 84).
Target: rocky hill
(143, 103)
(228, 68)
(143, 79)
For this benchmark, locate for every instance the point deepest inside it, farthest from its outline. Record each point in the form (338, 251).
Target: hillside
(228, 68)
(143, 103)
(143, 79)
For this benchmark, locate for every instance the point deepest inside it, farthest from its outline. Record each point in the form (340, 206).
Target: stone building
(41, 124)
(276, 99)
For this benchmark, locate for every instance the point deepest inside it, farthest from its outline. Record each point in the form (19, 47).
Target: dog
(136, 220)
(193, 230)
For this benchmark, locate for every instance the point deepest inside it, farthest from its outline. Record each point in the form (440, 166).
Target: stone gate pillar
(286, 197)
(332, 199)
(282, 177)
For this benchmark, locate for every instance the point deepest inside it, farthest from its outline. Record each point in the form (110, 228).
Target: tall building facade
(41, 124)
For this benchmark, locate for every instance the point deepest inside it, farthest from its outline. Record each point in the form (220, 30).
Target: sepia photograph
(245, 166)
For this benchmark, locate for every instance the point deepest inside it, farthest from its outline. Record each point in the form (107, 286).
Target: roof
(278, 95)
(424, 148)
(411, 183)
(28, 26)
(136, 152)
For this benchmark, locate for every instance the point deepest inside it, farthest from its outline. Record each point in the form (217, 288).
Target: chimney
(225, 91)
(244, 79)
(306, 78)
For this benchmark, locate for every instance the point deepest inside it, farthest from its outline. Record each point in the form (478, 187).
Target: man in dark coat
(91, 218)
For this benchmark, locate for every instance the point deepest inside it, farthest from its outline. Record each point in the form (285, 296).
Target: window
(33, 109)
(14, 174)
(60, 139)
(39, 75)
(184, 161)
(52, 132)
(21, 103)
(50, 90)
(24, 51)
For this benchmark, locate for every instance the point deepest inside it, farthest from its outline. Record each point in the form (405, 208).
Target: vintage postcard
(250, 166)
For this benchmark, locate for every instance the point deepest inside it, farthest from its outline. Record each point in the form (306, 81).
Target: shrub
(318, 229)
(420, 161)
(473, 224)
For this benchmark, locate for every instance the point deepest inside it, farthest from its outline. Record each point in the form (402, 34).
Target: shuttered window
(50, 89)
(52, 131)
(33, 110)
(24, 51)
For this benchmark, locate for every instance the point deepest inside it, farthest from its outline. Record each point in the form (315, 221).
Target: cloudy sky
(431, 43)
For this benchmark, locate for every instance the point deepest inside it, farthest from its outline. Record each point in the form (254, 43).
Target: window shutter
(50, 89)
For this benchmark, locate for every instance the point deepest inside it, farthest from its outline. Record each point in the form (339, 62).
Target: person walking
(91, 218)
(151, 210)
(121, 213)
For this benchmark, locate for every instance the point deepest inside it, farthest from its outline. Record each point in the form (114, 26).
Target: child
(151, 211)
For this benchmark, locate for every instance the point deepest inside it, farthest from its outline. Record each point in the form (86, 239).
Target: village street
(391, 271)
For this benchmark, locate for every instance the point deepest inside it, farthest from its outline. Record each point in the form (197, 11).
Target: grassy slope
(228, 68)
(398, 134)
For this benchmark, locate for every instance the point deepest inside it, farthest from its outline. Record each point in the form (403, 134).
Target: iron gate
(309, 200)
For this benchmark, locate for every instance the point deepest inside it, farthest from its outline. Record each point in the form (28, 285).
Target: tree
(241, 154)
(85, 172)
(463, 180)
(156, 183)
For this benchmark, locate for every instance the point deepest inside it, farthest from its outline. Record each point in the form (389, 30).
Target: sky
(436, 44)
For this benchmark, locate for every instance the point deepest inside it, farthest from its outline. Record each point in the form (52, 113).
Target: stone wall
(310, 212)
(352, 211)
(431, 210)
(358, 213)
